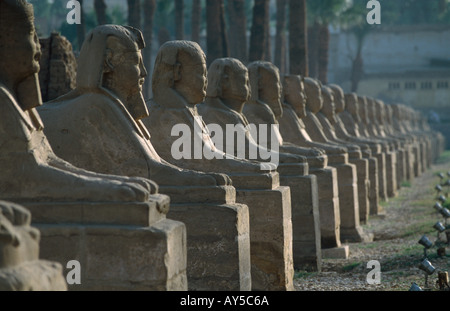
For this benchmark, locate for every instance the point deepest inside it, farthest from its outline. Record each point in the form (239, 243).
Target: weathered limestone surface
(20, 267)
(119, 143)
(58, 67)
(119, 246)
(328, 120)
(225, 99)
(32, 173)
(346, 171)
(292, 130)
(179, 84)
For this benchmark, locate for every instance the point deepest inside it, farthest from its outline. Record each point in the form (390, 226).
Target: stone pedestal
(305, 219)
(329, 214)
(218, 245)
(350, 229)
(382, 181)
(391, 174)
(341, 252)
(120, 246)
(374, 199)
(362, 169)
(270, 230)
(401, 167)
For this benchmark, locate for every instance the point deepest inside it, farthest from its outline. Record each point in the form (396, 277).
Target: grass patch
(304, 274)
(351, 266)
(444, 158)
(406, 184)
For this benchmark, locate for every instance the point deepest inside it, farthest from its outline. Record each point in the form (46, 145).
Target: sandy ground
(407, 218)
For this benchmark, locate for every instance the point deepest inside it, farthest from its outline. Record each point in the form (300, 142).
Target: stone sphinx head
(266, 85)
(19, 52)
(339, 98)
(313, 90)
(294, 93)
(363, 111)
(351, 104)
(328, 108)
(111, 58)
(228, 80)
(180, 67)
(380, 111)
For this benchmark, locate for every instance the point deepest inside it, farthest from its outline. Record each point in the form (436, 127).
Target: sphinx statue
(179, 84)
(108, 104)
(329, 121)
(347, 172)
(98, 126)
(30, 169)
(258, 110)
(59, 193)
(376, 130)
(20, 267)
(227, 92)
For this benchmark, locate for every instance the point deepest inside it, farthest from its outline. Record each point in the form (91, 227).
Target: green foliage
(326, 11)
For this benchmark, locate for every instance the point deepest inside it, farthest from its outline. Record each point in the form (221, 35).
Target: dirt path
(407, 218)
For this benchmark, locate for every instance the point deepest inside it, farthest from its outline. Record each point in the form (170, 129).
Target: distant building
(401, 64)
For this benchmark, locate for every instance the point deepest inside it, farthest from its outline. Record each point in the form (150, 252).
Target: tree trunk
(357, 65)
(81, 29)
(313, 50)
(238, 29)
(259, 31)
(324, 43)
(149, 13)
(195, 20)
(298, 38)
(268, 45)
(179, 19)
(100, 12)
(134, 13)
(217, 43)
(280, 41)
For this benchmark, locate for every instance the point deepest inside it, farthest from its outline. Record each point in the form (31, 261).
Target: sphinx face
(192, 78)
(294, 94)
(270, 91)
(314, 94)
(21, 53)
(328, 108)
(237, 86)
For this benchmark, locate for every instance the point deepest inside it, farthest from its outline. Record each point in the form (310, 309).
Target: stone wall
(58, 67)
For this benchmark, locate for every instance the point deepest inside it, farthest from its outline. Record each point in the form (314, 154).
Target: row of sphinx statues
(92, 175)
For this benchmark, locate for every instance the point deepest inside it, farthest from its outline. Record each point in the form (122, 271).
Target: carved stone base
(329, 214)
(218, 245)
(305, 221)
(270, 234)
(129, 246)
(341, 252)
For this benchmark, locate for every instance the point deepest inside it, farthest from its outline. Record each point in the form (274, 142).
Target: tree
(259, 31)
(323, 13)
(238, 29)
(217, 40)
(100, 11)
(134, 13)
(196, 20)
(179, 19)
(280, 39)
(149, 12)
(81, 28)
(298, 38)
